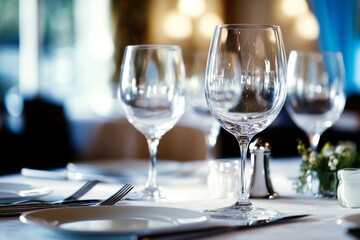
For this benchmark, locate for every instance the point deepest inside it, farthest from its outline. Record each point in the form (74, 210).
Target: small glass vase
(323, 184)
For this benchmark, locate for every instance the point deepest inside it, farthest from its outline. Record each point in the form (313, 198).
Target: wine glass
(245, 90)
(198, 106)
(152, 94)
(316, 96)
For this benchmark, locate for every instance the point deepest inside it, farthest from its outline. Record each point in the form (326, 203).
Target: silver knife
(69, 174)
(47, 203)
(206, 231)
(46, 174)
(18, 209)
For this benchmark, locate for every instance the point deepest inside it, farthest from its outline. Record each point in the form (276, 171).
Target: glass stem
(210, 140)
(243, 198)
(314, 141)
(152, 174)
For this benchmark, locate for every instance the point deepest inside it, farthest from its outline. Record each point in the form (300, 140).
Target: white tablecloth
(187, 191)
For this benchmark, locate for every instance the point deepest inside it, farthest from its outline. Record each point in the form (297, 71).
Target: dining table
(185, 184)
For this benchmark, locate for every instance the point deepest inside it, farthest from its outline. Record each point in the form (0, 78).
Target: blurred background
(60, 63)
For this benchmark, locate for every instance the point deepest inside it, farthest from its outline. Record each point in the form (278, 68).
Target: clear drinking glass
(245, 90)
(152, 94)
(198, 105)
(316, 96)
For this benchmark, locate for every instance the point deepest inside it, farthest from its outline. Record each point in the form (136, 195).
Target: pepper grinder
(260, 184)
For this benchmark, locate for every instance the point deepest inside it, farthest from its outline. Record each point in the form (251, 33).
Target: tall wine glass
(152, 94)
(198, 106)
(245, 91)
(316, 96)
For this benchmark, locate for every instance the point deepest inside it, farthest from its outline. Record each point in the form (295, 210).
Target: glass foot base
(148, 194)
(243, 213)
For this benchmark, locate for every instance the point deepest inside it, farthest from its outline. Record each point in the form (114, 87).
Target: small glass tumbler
(223, 178)
(348, 191)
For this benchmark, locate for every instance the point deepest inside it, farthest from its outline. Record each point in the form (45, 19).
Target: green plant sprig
(331, 158)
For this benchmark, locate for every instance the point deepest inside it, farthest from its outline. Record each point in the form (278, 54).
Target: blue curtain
(340, 31)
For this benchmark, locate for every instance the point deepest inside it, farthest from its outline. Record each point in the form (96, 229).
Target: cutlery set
(18, 208)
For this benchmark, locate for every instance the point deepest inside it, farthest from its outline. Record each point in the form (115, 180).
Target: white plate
(350, 221)
(12, 192)
(122, 220)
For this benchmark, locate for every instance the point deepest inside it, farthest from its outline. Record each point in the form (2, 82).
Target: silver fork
(82, 191)
(75, 196)
(11, 211)
(117, 196)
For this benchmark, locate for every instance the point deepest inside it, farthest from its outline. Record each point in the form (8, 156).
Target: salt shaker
(260, 184)
(348, 191)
